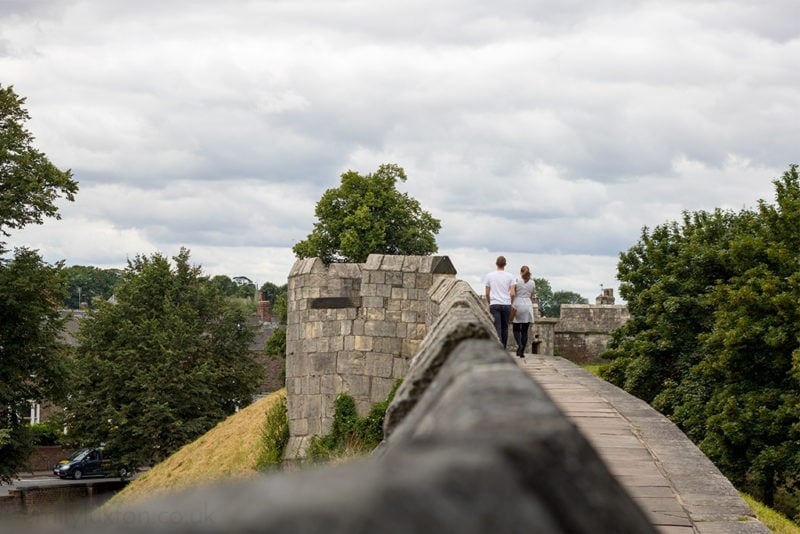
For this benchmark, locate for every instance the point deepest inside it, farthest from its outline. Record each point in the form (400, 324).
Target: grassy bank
(232, 449)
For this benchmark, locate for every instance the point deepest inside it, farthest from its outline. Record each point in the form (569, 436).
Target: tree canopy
(550, 302)
(714, 337)
(87, 283)
(368, 215)
(31, 184)
(32, 363)
(163, 364)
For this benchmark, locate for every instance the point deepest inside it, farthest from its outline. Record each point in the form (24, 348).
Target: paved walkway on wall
(673, 481)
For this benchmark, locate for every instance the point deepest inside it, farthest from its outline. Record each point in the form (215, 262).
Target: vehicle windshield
(78, 455)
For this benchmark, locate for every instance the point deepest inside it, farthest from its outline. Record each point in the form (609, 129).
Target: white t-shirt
(499, 284)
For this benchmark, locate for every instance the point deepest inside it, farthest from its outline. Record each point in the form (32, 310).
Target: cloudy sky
(547, 131)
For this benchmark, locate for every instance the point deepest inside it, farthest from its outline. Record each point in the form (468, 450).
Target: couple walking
(509, 300)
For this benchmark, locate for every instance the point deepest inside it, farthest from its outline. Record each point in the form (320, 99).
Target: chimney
(264, 308)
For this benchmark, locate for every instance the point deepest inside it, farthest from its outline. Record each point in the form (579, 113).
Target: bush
(46, 434)
(350, 434)
(274, 436)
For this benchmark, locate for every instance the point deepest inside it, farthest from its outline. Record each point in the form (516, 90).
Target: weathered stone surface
(450, 329)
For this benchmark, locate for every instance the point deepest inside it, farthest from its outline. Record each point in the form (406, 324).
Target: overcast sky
(547, 131)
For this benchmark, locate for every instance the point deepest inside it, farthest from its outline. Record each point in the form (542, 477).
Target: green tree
(86, 283)
(713, 340)
(246, 288)
(366, 215)
(32, 357)
(31, 184)
(545, 293)
(752, 355)
(272, 292)
(32, 364)
(550, 302)
(162, 365)
(225, 285)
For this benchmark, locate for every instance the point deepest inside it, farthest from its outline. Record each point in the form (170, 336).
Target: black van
(90, 462)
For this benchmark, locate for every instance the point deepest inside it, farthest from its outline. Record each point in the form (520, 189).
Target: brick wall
(44, 457)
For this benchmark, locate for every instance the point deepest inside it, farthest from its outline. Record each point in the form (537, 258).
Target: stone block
(313, 407)
(373, 262)
(374, 302)
(376, 314)
(402, 330)
(394, 279)
(356, 385)
(392, 263)
(358, 327)
(292, 386)
(380, 328)
(351, 362)
(380, 389)
(411, 263)
(322, 363)
(368, 290)
(410, 316)
(399, 367)
(345, 328)
(309, 385)
(387, 345)
(379, 365)
(395, 316)
(363, 343)
(308, 345)
(331, 385)
(400, 293)
(376, 277)
(383, 290)
(423, 281)
(410, 348)
(315, 427)
(410, 280)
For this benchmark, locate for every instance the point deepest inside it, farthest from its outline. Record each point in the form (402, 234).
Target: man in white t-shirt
(500, 289)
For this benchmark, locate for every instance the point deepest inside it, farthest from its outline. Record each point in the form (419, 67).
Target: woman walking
(522, 310)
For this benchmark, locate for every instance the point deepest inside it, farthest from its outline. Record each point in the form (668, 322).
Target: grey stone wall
(353, 328)
(583, 330)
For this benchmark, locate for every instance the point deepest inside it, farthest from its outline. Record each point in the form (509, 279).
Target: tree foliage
(32, 357)
(87, 283)
(31, 184)
(714, 339)
(272, 292)
(31, 354)
(162, 365)
(550, 302)
(366, 215)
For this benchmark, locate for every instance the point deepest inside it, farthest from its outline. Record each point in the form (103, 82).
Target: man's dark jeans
(501, 313)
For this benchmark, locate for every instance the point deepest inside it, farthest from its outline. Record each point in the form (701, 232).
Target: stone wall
(583, 330)
(353, 328)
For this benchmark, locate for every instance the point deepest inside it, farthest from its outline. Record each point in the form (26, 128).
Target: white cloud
(545, 130)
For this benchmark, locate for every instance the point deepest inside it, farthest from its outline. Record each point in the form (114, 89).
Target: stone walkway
(674, 482)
